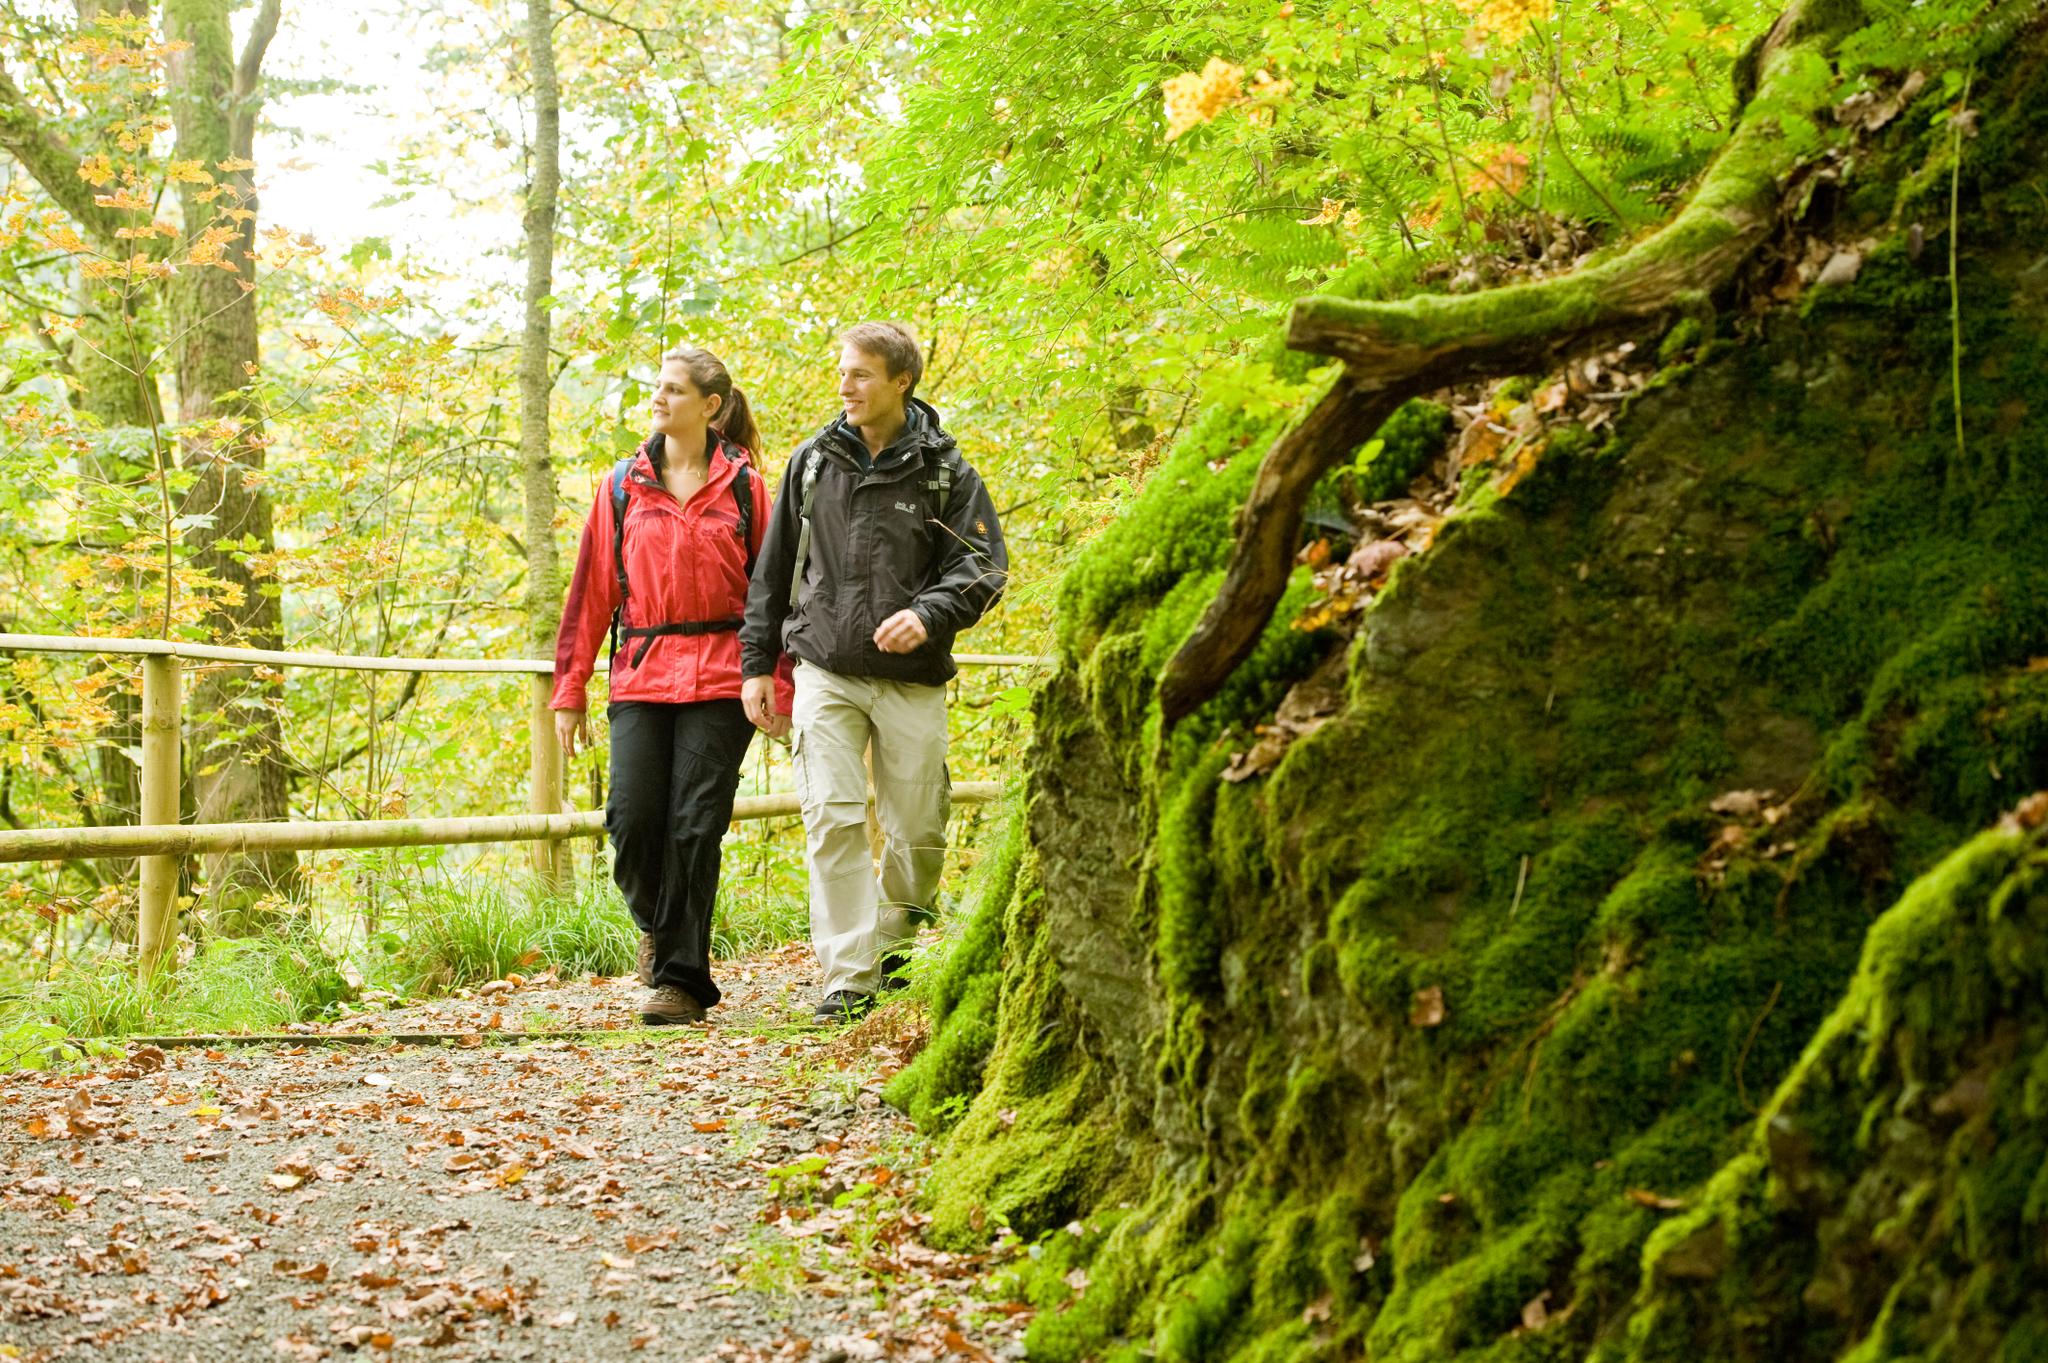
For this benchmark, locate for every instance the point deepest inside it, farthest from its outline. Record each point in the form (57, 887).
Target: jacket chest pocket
(902, 553)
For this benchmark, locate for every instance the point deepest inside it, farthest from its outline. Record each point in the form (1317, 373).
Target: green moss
(1685, 335)
(963, 995)
(1384, 466)
(1773, 573)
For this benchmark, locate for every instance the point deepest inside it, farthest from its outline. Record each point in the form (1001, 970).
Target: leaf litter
(731, 1192)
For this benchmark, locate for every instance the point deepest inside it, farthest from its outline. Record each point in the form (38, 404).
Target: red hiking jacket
(684, 562)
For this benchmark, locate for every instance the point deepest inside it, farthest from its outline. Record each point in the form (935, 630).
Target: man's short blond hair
(893, 343)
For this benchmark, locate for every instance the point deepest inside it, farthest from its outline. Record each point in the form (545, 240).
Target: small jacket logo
(980, 529)
(906, 506)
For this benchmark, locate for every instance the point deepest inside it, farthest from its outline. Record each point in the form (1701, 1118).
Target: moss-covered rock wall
(1620, 973)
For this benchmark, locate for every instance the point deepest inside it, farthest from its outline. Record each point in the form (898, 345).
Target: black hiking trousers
(675, 769)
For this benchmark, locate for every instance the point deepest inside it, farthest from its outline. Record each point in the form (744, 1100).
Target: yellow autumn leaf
(1193, 98)
(1331, 211)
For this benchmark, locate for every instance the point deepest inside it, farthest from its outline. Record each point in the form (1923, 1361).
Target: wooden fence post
(157, 925)
(544, 787)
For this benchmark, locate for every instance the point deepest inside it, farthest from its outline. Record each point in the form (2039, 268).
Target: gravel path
(669, 1191)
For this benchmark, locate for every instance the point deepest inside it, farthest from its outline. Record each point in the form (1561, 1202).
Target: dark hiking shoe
(668, 1005)
(645, 969)
(841, 1006)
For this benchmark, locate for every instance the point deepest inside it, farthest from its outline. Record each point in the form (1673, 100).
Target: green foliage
(455, 935)
(234, 984)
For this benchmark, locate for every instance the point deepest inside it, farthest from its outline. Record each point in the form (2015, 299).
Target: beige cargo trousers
(860, 915)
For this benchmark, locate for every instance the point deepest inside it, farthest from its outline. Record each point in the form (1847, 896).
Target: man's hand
(572, 727)
(901, 632)
(757, 696)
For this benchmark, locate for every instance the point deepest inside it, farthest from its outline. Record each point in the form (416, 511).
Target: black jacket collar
(922, 433)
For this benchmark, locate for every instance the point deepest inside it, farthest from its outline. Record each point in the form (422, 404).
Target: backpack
(743, 500)
(940, 484)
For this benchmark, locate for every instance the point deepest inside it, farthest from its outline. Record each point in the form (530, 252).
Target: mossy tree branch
(51, 161)
(1394, 351)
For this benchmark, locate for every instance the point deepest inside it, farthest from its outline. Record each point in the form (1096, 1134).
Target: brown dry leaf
(717, 1124)
(148, 1059)
(1428, 1009)
(1643, 1197)
(1741, 803)
(78, 1118)
(2030, 813)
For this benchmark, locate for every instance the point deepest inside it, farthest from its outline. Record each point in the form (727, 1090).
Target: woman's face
(677, 408)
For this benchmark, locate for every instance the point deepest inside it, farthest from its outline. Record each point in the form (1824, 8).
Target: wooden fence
(160, 841)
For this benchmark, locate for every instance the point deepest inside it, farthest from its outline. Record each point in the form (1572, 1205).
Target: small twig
(1521, 883)
(1955, 298)
(1740, 1092)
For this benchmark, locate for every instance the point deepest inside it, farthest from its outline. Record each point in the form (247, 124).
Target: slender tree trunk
(536, 374)
(123, 405)
(237, 755)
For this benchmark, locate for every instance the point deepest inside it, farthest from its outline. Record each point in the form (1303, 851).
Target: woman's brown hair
(735, 419)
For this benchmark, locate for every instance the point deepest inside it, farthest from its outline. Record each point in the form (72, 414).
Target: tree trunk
(238, 767)
(536, 373)
(118, 392)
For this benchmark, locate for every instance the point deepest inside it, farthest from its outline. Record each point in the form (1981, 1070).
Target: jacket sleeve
(774, 561)
(973, 562)
(587, 607)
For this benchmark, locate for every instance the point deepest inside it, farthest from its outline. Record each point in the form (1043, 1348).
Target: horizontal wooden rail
(191, 839)
(159, 840)
(212, 653)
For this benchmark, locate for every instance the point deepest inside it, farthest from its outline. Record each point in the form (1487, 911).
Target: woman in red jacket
(670, 594)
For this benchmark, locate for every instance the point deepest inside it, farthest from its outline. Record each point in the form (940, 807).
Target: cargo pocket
(800, 763)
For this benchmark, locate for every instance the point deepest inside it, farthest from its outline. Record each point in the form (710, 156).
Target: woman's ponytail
(735, 421)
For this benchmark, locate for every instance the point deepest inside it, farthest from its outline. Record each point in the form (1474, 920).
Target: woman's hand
(572, 728)
(757, 696)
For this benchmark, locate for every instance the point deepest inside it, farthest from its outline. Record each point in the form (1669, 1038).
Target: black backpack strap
(804, 467)
(940, 484)
(617, 486)
(743, 501)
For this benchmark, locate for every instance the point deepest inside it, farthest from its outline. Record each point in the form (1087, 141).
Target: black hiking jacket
(878, 544)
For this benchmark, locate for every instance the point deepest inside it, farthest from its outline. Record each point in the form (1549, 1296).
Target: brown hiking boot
(669, 1005)
(645, 969)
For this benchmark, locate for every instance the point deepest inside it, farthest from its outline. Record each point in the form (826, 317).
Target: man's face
(870, 394)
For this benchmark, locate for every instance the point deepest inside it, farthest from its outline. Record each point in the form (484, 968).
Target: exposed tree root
(1395, 351)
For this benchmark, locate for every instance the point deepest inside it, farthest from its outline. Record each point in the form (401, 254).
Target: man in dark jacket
(882, 547)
